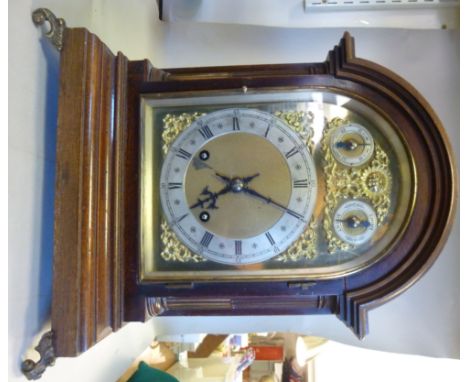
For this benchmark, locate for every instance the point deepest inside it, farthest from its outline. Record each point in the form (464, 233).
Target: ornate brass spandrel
(305, 247)
(173, 250)
(371, 182)
(173, 125)
(301, 123)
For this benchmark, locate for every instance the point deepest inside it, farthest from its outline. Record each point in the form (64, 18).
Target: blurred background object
(411, 14)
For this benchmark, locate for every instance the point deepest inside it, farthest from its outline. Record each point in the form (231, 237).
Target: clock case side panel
(87, 282)
(434, 208)
(426, 232)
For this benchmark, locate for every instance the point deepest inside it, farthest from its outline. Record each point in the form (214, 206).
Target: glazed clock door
(283, 185)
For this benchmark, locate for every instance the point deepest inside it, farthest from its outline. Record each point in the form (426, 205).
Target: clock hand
(232, 185)
(354, 222)
(248, 179)
(268, 200)
(349, 145)
(227, 180)
(200, 164)
(211, 199)
(236, 180)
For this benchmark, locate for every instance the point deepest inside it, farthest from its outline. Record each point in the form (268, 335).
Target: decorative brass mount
(34, 370)
(43, 16)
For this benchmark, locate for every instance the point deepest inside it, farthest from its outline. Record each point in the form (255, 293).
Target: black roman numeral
(205, 132)
(181, 153)
(270, 238)
(267, 130)
(238, 247)
(291, 152)
(301, 183)
(174, 186)
(206, 239)
(235, 123)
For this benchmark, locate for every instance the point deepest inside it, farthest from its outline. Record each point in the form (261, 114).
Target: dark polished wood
(87, 292)
(96, 263)
(135, 305)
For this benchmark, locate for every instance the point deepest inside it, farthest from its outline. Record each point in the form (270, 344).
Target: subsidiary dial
(355, 222)
(352, 145)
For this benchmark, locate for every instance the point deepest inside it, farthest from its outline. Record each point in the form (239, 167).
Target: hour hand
(211, 198)
(235, 180)
(349, 145)
(355, 222)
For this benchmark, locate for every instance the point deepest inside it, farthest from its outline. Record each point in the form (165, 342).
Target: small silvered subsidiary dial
(352, 144)
(355, 222)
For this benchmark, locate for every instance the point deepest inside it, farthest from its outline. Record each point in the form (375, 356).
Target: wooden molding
(87, 295)
(431, 221)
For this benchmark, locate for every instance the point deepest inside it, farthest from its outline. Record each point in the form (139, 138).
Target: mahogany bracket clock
(315, 188)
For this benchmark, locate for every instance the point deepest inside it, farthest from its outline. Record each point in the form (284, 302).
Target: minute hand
(268, 200)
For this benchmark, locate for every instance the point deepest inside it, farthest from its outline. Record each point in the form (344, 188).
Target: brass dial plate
(238, 186)
(239, 216)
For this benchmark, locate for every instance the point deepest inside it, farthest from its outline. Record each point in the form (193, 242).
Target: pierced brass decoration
(301, 123)
(376, 184)
(372, 182)
(305, 246)
(174, 250)
(174, 125)
(43, 16)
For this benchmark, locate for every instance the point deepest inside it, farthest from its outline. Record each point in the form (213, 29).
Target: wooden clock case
(96, 286)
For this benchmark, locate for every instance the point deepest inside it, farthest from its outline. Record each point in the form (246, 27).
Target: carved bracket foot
(34, 370)
(56, 26)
